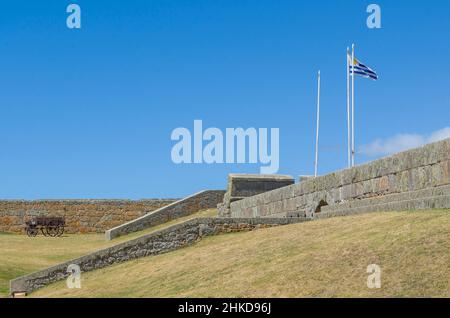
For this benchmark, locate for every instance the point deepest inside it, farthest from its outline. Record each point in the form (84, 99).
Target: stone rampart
(82, 216)
(410, 180)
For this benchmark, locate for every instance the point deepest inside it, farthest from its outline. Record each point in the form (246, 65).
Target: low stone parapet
(199, 201)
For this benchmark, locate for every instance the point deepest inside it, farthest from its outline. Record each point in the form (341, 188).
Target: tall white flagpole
(316, 162)
(353, 104)
(348, 109)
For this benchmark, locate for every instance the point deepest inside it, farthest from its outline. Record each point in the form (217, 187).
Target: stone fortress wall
(82, 216)
(410, 180)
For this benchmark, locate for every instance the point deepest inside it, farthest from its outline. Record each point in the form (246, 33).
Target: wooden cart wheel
(60, 230)
(52, 230)
(32, 231)
(44, 231)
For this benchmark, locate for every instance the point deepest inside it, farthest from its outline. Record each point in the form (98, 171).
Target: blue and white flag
(361, 69)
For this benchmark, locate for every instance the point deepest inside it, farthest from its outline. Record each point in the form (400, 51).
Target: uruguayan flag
(360, 69)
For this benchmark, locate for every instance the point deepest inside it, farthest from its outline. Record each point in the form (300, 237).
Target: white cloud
(401, 142)
(440, 135)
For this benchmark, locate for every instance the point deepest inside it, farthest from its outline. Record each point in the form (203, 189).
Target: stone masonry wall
(414, 179)
(241, 186)
(191, 204)
(82, 216)
(169, 239)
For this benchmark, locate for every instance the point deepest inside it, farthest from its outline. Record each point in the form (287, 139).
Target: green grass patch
(21, 255)
(323, 258)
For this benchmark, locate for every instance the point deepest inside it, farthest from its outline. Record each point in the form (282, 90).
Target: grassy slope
(20, 255)
(319, 259)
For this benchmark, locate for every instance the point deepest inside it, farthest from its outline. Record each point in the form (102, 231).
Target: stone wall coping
(260, 176)
(116, 231)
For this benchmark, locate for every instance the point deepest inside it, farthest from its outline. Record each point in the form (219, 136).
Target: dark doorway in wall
(322, 203)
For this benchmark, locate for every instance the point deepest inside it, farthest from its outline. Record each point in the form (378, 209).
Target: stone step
(383, 199)
(432, 202)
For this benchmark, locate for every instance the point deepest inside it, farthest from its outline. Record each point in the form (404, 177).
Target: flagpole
(348, 110)
(353, 104)
(316, 162)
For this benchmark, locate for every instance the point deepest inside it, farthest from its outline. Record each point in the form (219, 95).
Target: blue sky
(88, 113)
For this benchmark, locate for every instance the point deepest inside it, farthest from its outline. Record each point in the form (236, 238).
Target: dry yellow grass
(20, 255)
(326, 258)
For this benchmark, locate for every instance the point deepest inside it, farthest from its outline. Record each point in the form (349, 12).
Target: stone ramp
(199, 201)
(432, 198)
(158, 242)
(438, 202)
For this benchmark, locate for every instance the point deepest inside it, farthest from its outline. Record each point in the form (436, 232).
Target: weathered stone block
(299, 189)
(368, 187)
(289, 205)
(383, 185)
(287, 192)
(246, 185)
(263, 210)
(359, 189)
(249, 186)
(347, 192)
(310, 186)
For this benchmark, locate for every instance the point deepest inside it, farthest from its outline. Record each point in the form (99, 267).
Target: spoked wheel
(52, 230)
(32, 231)
(44, 231)
(60, 230)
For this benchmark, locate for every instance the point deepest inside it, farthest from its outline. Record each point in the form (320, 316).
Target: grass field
(20, 255)
(325, 258)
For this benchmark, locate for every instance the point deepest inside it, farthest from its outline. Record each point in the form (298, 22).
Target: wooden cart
(49, 226)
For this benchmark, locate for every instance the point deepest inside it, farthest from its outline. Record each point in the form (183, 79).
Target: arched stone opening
(322, 203)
